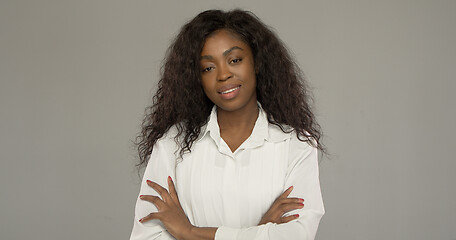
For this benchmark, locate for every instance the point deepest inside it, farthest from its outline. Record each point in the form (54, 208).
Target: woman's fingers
(290, 200)
(289, 218)
(170, 196)
(172, 190)
(282, 205)
(286, 193)
(284, 208)
(276, 212)
(149, 217)
(282, 198)
(160, 190)
(170, 212)
(153, 199)
(281, 202)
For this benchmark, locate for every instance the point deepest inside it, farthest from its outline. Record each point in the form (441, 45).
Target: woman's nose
(224, 73)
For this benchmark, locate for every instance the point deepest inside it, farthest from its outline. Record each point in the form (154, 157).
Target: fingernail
(140, 220)
(149, 181)
(141, 196)
(296, 215)
(169, 178)
(302, 200)
(301, 204)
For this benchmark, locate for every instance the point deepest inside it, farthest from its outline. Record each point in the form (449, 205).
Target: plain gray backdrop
(77, 75)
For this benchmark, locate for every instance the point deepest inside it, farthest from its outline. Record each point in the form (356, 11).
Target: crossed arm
(171, 214)
(168, 220)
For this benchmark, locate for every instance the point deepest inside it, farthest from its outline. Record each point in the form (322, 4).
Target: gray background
(77, 75)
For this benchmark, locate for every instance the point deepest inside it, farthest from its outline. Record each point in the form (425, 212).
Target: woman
(230, 142)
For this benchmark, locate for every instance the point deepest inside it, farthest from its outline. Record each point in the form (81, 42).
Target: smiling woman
(230, 141)
(228, 76)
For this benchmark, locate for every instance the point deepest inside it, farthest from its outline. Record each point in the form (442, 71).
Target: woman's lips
(229, 92)
(227, 87)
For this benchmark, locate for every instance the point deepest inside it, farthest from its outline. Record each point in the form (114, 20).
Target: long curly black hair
(180, 100)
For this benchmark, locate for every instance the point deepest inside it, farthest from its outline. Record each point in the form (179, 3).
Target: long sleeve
(160, 166)
(232, 190)
(303, 175)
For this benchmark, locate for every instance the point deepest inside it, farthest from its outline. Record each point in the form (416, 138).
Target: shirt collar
(262, 131)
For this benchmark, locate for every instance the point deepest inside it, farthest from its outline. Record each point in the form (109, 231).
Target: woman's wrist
(203, 233)
(184, 234)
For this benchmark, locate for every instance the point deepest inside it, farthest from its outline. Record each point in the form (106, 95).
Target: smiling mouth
(230, 90)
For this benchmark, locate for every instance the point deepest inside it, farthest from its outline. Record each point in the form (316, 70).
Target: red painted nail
(169, 178)
(301, 204)
(149, 181)
(296, 215)
(302, 200)
(140, 220)
(140, 196)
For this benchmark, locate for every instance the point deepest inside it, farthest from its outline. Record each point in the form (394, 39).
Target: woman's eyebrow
(231, 49)
(224, 53)
(209, 57)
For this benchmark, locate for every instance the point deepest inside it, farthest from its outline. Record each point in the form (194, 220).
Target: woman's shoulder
(171, 133)
(168, 141)
(279, 132)
(302, 148)
(297, 142)
(299, 148)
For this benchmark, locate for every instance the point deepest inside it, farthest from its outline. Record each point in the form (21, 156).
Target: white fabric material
(232, 191)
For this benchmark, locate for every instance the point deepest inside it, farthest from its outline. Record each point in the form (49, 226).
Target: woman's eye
(207, 69)
(236, 60)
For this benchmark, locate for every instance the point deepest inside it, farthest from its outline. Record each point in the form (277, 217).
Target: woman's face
(228, 71)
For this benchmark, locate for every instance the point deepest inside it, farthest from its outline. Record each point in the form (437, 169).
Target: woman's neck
(236, 126)
(238, 120)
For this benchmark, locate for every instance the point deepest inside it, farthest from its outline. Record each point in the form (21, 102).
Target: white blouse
(232, 191)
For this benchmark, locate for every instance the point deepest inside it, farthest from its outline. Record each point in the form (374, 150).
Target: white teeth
(230, 90)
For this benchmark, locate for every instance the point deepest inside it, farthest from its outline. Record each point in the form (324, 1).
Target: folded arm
(303, 175)
(300, 223)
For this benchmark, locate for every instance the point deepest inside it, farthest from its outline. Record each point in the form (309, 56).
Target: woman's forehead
(222, 40)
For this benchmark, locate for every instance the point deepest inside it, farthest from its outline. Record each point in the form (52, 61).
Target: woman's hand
(280, 206)
(170, 212)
